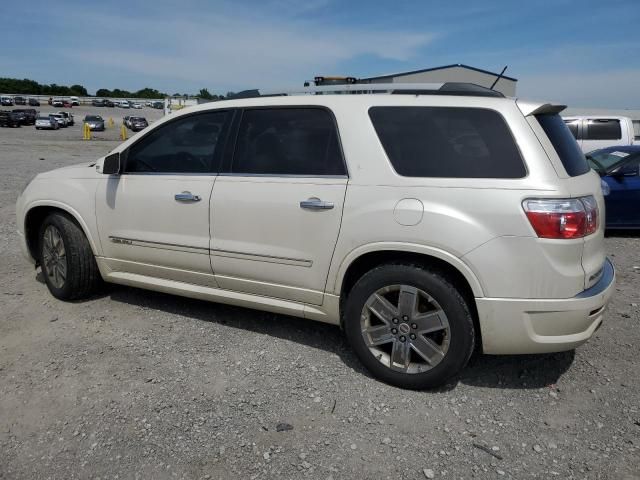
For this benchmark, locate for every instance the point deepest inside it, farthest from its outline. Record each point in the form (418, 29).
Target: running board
(247, 300)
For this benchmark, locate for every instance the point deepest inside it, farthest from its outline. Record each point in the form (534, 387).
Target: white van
(595, 132)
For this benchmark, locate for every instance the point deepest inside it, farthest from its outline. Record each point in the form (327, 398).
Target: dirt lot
(139, 385)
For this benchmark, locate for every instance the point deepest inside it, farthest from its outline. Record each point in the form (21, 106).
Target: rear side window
(447, 142)
(603, 129)
(565, 145)
(288, 141)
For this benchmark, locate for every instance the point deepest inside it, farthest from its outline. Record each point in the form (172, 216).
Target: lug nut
(405, 318)
(395, 320)
(412, 336)
(414, 325)
(403, 338)
(394, 330)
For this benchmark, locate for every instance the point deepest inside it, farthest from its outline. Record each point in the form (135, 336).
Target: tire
(443, 329)
(72, 252)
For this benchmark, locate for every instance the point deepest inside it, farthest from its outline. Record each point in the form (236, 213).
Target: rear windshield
(93, 118)
(447, 142)
(564, 143)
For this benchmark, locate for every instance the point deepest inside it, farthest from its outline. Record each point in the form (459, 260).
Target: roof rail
(448, 88)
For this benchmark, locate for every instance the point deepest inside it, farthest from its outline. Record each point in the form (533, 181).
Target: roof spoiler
(528, 108)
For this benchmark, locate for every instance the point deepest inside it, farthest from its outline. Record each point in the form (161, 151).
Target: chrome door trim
(215, 252)
(262, 258)
(161, 245)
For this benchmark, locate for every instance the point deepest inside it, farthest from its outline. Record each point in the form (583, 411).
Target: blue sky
(583, 53)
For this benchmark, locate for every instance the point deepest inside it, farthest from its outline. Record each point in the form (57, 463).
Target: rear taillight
(562, 218)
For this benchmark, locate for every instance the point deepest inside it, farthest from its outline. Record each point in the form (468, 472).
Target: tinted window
(572, 125)
(288, 141)
(564, 144)
(603, 130)
(447, 142)
(186, 145)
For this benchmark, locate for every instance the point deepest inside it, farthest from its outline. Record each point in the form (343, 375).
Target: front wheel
(410, 327)
(68, 265)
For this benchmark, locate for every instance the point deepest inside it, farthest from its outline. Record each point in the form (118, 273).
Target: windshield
(606, 161)
(93, 118)
(137, 119)
(43, 117)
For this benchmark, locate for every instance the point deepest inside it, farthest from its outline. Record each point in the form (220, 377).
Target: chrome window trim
(288, 175)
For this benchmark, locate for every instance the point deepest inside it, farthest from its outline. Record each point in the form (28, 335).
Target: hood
(82, 170)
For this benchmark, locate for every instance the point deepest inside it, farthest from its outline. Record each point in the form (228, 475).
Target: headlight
(606, 190)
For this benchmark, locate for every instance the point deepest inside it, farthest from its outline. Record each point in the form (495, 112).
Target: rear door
(276, 208)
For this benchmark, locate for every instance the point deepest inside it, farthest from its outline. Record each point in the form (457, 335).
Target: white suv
(424, 222)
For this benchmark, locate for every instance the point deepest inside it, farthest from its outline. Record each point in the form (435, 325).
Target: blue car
(619, 168)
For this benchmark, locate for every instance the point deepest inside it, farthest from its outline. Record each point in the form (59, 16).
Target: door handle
(187, 197)
(316, 204)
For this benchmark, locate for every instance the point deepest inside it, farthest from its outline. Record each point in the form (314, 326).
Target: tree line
(31, 87)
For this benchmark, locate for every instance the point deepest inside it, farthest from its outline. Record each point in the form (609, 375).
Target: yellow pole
(123, 132)
(86, 132)
(110, 122)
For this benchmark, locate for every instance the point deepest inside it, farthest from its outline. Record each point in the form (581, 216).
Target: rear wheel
(410, 327)
(68, 265)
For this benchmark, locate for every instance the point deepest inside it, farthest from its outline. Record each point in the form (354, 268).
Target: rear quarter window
(447, 142)
(565, 145)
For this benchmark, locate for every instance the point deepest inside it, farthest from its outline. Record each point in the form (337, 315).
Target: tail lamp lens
(562, 218)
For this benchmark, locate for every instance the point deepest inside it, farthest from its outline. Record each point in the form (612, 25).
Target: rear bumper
(518, 326)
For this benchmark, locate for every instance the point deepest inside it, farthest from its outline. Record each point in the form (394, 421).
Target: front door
(153, 219)
(623, 201)
(276, 211)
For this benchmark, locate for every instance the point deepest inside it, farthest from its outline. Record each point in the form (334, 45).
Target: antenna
(498, 77)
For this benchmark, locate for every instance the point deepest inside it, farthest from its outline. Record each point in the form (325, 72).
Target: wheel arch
(363, 258)
(35, 215)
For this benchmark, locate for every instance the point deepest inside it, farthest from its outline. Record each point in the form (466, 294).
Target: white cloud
(226, 50)
(602, 89)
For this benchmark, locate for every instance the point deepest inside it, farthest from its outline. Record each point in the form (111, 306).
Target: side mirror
(111, 164)
(626, 171)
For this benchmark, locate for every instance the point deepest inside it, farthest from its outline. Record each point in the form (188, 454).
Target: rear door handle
(316, 204)
(187, 197)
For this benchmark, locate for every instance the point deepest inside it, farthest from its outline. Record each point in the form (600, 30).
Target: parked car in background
(62, 121)
(6, 101)
(124, 104)
(46, 122)
(423, 225)
(98, 102)
(34, 102)
(619, 168)
(57, 102)
(28, 115)
(75, 101)
(137, 106)
(95, 122)
(158, 105)
(138, 123)
(594, 132)
(67, 103)
(10, 119)
(125, 121)
(109, 103)
(19, 100)
(68, 117)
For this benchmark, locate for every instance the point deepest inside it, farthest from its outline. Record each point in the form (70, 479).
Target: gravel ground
(139, 385)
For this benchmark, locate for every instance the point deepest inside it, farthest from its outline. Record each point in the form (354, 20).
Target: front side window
(604, 129)
(288, 141)
(447, 142)
(184, 145)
